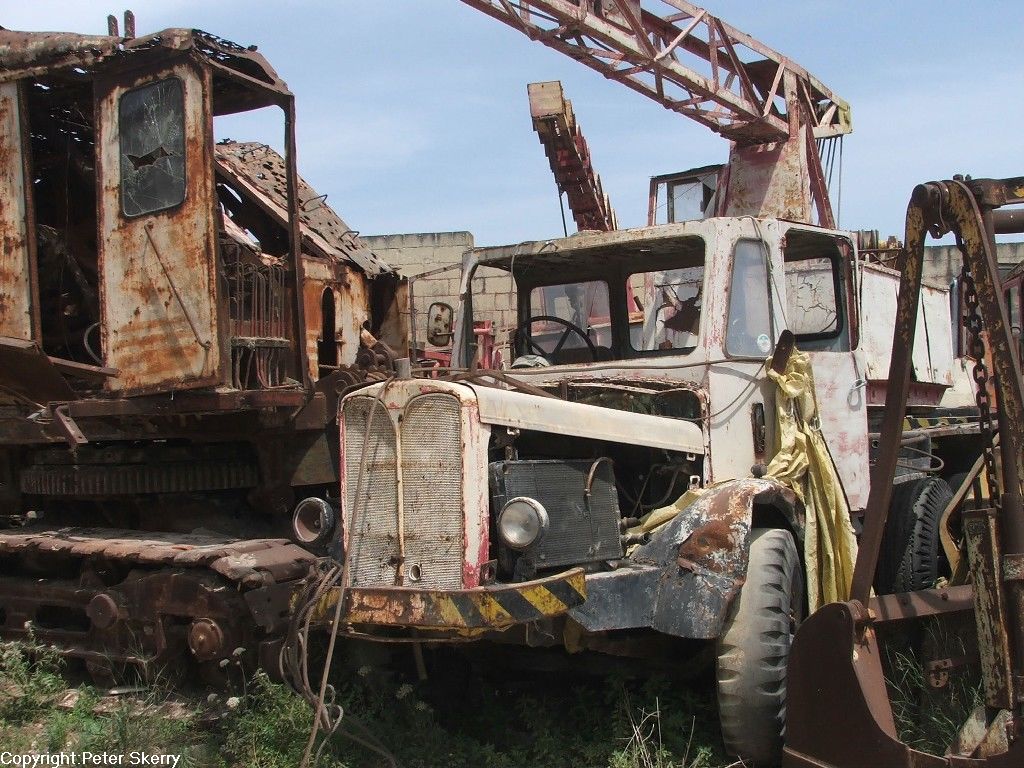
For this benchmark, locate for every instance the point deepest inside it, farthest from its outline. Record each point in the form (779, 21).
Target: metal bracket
(68, 427)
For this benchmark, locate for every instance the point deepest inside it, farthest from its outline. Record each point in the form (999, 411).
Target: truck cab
(695, 307)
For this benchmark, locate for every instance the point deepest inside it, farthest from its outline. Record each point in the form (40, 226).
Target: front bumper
(483, 608)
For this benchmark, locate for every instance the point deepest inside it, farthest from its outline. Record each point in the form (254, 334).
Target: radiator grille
(432, 492)
(371, 519)
(579, 532)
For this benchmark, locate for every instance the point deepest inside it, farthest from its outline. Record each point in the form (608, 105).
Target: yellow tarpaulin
(802, 462)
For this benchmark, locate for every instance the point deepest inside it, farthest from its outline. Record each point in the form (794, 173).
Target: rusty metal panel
(770, 180)
(351, 291)
(982, 540)
(261, 172)
(933, 346)
(397, 320)
(24, 54)
(352, 310)
(158, 270)
(16, 299)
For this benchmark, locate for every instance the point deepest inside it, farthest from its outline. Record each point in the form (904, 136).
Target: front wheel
(753, 649)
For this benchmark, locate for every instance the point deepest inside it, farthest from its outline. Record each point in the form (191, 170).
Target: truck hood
(519, 410)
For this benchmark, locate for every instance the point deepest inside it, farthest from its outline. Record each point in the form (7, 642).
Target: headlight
(522, 522)
(313, 521)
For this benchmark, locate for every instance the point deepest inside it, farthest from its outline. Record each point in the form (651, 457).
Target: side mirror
(439, 324)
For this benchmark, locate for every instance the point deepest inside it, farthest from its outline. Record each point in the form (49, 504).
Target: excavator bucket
(839, 712)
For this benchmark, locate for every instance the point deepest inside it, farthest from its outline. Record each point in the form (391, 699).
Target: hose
(294, 660)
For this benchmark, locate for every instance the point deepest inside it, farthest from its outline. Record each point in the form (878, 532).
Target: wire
(88, 346)
(294, 660)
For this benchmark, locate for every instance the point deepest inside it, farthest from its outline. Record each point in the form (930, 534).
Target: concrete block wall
(942, 262)
(419, 253)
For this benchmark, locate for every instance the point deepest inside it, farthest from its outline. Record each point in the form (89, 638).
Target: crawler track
(122, 599)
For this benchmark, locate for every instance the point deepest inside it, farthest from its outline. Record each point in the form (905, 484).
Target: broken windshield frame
(634, 273)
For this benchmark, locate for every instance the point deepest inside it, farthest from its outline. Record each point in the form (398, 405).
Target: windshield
(617, 301)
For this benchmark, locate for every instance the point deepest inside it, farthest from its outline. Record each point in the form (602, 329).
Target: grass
(39, 713)
(928, 718)
(456, 719)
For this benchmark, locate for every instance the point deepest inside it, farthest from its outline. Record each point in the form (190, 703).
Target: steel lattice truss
(685, 59)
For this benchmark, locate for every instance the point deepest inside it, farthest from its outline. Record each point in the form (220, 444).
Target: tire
(910, 558)
(753, 650)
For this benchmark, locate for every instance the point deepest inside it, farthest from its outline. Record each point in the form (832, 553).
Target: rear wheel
(753, 650)
(910, 558)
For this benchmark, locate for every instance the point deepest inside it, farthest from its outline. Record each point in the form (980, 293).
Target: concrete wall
(942, 262)
(419, 253)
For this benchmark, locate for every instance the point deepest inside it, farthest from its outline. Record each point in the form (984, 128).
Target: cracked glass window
(815, 296)
(152, 127)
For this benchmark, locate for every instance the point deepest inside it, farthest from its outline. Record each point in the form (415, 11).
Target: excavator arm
(836, 654)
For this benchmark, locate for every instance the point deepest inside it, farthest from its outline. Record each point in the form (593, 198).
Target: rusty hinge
(938, 670)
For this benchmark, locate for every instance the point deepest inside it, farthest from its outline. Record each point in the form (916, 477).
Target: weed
(456, 718)
(30, 675)
(927, 717)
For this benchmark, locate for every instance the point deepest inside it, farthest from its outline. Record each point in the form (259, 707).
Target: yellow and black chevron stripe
(931, 422)
(471, 609)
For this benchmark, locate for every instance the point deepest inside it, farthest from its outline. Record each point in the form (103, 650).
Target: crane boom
(569, 157)
(695, 64)
(741, 92)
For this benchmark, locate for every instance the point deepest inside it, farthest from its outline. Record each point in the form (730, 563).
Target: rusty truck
(177, 319)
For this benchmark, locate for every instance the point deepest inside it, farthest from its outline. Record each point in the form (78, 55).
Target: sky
(413, 115)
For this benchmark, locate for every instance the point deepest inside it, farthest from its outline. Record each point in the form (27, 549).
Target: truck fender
(703, 552)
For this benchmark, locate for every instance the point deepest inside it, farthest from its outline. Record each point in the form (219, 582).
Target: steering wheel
(523, 328)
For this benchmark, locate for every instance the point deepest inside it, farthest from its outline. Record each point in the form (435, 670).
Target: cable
(88, 346)
(294, 659)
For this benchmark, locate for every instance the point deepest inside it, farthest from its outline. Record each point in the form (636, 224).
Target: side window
(151, 123)
(816, 291)
(749, 332)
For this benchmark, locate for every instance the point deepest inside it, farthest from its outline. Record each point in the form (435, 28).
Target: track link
(123, 599)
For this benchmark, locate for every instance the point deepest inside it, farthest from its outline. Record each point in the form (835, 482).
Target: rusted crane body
(770, 108)
(569, 157)
(176, 319)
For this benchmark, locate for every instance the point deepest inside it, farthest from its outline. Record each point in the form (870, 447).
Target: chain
(976, 347)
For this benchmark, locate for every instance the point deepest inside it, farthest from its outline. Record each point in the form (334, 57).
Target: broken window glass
(152, 128)
(815, 295)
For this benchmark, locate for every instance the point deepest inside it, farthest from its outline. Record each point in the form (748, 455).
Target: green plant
(928, 716)
(29, 678)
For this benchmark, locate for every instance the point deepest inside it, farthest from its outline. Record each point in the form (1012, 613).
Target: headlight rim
(540, 515)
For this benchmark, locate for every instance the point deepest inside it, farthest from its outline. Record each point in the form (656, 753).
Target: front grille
(432, 493)
(371, 498)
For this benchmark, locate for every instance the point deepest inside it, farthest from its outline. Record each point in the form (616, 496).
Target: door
(157, 230)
